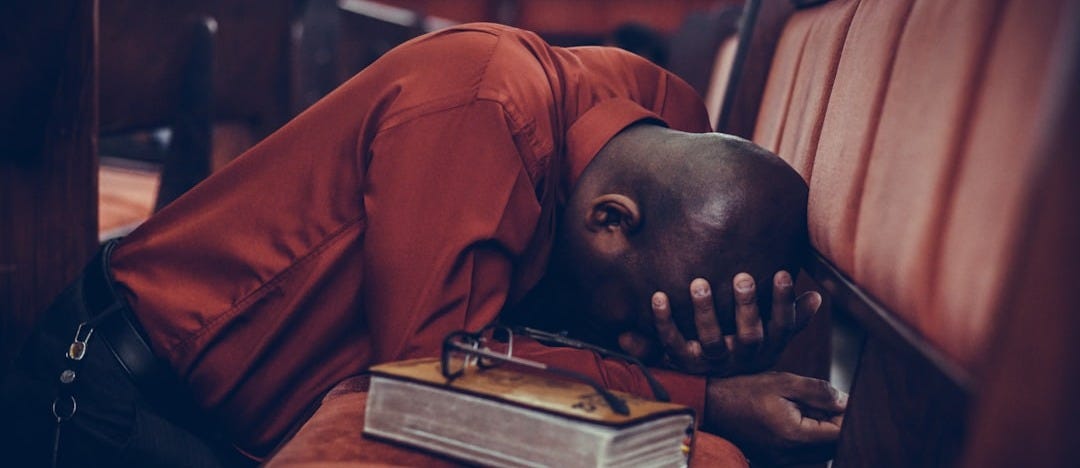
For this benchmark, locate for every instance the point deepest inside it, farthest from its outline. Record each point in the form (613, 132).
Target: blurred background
(187, 86)
(113, 108)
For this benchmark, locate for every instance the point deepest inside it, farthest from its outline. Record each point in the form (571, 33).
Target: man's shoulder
(510, 66)
(464, 58)
(474, 62)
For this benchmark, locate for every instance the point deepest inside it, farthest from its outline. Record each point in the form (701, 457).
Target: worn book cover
(504, 416)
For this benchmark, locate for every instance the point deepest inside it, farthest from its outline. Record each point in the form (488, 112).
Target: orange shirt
(416, 199)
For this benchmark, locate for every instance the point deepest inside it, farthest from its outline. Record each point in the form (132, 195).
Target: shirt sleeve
(450, 206)
(619, 375)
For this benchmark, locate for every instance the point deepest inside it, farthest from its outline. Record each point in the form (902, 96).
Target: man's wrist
(684, 389)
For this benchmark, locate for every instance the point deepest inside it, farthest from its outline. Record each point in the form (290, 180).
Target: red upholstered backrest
(914, 122)
(1026, 413)
(800, 80)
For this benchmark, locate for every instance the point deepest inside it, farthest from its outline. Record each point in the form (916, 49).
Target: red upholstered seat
(332, 437)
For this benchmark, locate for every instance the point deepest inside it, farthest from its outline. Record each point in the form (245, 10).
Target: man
(419, 198)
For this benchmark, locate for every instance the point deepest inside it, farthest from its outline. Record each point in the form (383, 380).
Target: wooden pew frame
(909, 401)
(759, 30)
(48, 159)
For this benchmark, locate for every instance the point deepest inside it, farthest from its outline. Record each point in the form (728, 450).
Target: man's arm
(442, 243)
(774, 417)
(450, 208)
(777, 418)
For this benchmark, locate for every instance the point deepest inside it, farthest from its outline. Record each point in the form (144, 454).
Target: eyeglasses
(463, 349)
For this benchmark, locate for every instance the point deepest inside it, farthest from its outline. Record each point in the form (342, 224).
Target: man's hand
(752, 348)
(776, 418)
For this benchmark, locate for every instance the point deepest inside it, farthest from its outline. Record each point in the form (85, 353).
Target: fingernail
(841, 398)
(744, 285)
(785, 281)
(700, 290)
(658, 300)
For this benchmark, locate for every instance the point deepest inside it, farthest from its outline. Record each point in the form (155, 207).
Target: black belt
(108, 318)
(111, 319)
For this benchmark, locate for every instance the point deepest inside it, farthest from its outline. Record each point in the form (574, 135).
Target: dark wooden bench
(48, 164)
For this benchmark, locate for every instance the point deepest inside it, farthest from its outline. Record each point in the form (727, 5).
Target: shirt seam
(257, 293)
(519, 129)
(447, 103)
(443, 104)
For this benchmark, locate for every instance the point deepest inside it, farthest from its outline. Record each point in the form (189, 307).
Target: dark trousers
(116, 423)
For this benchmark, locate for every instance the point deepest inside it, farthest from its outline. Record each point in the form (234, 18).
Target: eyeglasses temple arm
(615, 403)
(657, 388)
(618, 405)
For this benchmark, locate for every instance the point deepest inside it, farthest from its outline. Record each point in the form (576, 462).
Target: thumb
(819, 431)
(818, 395)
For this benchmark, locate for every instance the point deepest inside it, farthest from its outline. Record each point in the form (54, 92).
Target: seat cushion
(332, 437)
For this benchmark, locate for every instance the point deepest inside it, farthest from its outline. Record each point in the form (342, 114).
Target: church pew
(138, 41)
(1026, 412)
(917, 125)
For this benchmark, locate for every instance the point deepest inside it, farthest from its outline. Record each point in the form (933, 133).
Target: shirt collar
(593, 129)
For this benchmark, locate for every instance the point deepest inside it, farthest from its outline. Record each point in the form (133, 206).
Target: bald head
(657, 208)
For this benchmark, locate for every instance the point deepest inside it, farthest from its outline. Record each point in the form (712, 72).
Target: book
(504, 417)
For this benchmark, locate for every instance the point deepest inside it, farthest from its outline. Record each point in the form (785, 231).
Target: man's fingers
(666, 331)
(782, 323)
(709, 333)
(747, 318)
(818, 431)
(818, 395)
(692, 352)
(838, 420)
(806, 305)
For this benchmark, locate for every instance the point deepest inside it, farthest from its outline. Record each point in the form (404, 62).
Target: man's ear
(613, 213)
